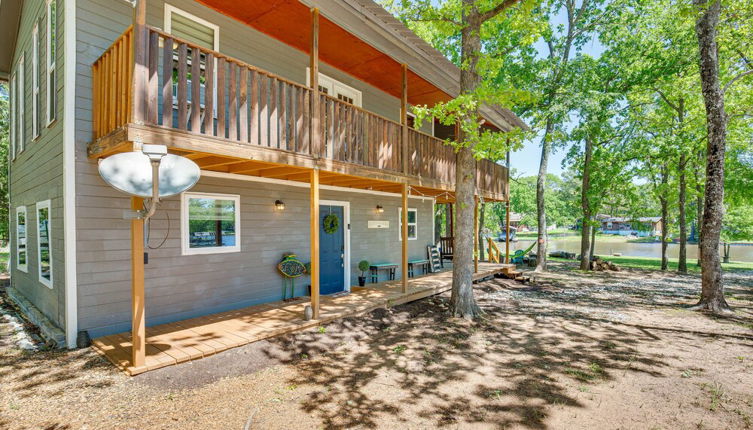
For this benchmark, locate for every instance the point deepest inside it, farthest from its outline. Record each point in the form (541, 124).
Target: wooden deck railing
(495, 256)
(113, 83)
(202, 91)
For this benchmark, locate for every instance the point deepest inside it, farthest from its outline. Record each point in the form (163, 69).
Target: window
(44, 242)
(336, 89)
(203, 33)
(412, 223)
(52, 102)
(35, 82)
(21, 263)
(210, 223)
(186, 26)
(21, 108)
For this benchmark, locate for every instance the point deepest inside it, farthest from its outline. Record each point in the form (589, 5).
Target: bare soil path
(613, 350)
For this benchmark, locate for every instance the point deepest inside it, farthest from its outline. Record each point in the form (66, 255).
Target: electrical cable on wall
(149, 232)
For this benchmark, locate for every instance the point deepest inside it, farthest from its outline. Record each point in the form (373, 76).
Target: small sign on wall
(379, 224)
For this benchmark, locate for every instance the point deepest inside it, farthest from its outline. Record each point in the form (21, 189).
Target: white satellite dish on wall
(131, 173)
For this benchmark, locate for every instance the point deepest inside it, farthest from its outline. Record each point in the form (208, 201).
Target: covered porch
(193, 339)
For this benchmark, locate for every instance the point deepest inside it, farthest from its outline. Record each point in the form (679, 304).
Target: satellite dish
(131, 173)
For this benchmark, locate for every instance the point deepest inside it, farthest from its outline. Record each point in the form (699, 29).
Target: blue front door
(331, 252)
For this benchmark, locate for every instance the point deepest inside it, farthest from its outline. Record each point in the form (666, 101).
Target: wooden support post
(507, 210)
(507, 231)
(404, 235)
(404, 120)
(138, 326)
(316, 136)
(140, 66)
(475, 236)
(314, 239)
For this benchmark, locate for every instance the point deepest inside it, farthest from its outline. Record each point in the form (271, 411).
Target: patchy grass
(4, 262)
(650, 263)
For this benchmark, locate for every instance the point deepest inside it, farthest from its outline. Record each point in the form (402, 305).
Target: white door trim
(346, 231)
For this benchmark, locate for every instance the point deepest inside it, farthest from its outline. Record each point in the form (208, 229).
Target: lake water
(737, 252)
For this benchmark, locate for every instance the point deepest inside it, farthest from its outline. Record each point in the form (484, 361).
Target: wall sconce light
(379, 209)
(279, 205)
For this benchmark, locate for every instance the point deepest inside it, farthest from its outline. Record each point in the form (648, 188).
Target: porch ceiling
(282, 19)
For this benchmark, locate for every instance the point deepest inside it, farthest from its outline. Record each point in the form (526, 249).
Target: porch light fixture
(379, 209)
(279, 205)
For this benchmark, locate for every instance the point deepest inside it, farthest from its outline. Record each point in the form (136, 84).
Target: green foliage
(738, 223)
(561, 209)
(440, 23)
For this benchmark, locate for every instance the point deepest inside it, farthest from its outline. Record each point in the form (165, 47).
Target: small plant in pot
(363, 266)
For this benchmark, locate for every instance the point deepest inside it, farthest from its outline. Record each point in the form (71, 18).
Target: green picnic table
(424, 264)
(375, 268)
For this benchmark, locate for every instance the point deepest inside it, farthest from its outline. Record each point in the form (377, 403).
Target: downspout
(69, 173)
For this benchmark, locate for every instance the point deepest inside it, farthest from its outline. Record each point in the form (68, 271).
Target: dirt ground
(610, 350)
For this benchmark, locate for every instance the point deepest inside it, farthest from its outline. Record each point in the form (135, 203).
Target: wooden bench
(375, 268)
(423, 264)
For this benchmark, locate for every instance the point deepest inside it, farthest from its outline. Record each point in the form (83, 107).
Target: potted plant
(363, 266)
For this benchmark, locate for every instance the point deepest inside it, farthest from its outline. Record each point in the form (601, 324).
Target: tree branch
(497, 10)
(666, 100)
(733, 80)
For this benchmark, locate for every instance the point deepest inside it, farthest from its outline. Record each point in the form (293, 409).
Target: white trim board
(69, 171)
(346, 231)
(235, 176)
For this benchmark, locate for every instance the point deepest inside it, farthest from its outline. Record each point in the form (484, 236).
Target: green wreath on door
(331, 223)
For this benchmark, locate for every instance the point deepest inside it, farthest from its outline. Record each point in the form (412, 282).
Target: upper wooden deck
(253, 122)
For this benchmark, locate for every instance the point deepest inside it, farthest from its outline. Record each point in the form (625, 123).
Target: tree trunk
(664, 202)
(682, 261)
(462, 302)
(699, 207)
(585, 245)
(540, 208)
(664, 227)
(593, 243)
(439, 216)
(712, 287)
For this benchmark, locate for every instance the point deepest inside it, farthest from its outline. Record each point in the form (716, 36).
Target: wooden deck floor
(194, 338)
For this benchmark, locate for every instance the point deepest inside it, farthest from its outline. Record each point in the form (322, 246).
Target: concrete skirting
(49, 331)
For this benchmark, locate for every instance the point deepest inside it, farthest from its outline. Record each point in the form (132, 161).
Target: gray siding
(179, 286)
(37, 172)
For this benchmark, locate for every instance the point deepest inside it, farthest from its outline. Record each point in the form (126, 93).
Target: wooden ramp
(195, 338)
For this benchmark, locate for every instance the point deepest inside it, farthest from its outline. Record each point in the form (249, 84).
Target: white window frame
(35, 81)
(45, 204)
(400, 223)
(21, 106)
(184, 229)
(168, 20)
(334, 86)
(19, 266)
(51, 63)
(170, 10)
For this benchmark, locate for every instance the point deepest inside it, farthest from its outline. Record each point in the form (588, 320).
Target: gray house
(296, 111)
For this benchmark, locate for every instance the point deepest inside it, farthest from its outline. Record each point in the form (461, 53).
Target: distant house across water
(623, 226)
